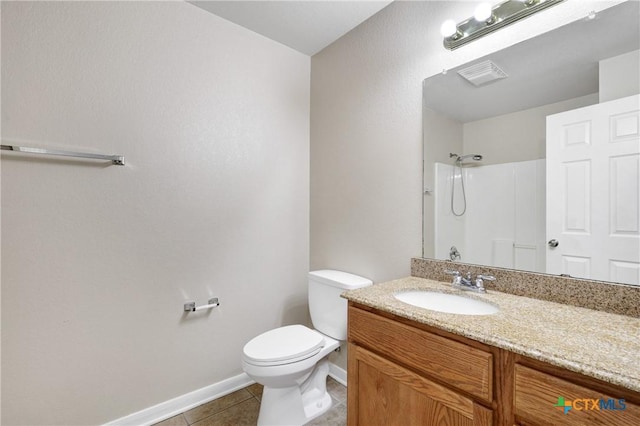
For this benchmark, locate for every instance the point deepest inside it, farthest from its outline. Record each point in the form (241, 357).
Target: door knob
(553, 243)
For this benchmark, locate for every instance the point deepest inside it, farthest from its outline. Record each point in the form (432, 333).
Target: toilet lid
(292, 342)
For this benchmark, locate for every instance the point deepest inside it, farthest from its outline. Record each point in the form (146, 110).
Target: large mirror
(531, 161)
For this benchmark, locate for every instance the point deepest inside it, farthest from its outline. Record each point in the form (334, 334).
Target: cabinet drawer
(456, 364)
(541, 397)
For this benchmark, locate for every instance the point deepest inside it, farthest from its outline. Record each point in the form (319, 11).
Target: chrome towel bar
(118, 160)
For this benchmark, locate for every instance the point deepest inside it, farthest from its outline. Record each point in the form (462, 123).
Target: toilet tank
(328, 310)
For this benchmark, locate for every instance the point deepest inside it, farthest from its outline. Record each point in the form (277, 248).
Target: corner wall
(366, 129)
(97, 260)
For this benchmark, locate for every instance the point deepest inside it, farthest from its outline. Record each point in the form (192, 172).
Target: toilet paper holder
(191, 306)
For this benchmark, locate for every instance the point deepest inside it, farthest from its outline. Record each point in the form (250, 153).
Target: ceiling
(555, 66)
(306, 26)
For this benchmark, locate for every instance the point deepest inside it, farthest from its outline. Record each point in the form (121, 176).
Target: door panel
(593, 191)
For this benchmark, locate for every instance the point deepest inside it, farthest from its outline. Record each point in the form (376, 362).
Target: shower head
(460, 159)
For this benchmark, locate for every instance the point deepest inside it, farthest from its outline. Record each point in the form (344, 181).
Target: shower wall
(449, 230)
(504, 221)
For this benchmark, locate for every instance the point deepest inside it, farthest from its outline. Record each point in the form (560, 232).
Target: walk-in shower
(459, 162)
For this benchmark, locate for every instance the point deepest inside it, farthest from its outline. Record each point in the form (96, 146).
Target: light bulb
(448, 28)
(483, 12)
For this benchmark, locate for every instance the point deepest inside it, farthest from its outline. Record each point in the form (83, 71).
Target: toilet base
(297, 405)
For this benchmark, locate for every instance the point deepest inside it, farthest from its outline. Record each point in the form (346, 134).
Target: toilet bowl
(292, 362)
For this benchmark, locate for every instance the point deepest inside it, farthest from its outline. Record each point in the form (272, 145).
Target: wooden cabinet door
(544, 399)
(461, 367)
(381, 392)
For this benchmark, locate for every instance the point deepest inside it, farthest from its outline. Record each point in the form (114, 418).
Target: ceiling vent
(482, 73)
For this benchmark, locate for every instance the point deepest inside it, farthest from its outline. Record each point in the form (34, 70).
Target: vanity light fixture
(484, 13)
(489, 18)
(450, 29)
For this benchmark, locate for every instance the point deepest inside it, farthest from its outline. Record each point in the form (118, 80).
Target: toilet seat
(284, 345)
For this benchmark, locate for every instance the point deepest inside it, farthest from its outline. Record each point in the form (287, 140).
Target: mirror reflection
(532, 154)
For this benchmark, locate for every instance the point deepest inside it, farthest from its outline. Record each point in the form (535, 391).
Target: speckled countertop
(597, 344)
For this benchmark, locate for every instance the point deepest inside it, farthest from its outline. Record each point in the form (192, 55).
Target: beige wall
(98, 260)
(366, 129)
(517, 136)
(619, 76)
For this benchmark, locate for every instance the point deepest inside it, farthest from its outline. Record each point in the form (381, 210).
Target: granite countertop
(597, 344)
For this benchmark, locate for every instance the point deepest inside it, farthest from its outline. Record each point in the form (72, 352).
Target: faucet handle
(457, 278)
(480, 279)
(486, 277)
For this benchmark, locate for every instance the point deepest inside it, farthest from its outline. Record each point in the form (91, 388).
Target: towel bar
(118, 160)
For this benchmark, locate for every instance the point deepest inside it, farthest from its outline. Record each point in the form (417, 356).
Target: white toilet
(292, 362)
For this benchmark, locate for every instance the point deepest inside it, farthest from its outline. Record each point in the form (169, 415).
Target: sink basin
(448, 303)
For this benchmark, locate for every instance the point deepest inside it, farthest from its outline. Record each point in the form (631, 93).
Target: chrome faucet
(467, 283)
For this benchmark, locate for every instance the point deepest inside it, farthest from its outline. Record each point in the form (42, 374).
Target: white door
(593, 191)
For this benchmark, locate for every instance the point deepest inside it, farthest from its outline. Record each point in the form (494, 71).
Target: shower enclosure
(504, 214)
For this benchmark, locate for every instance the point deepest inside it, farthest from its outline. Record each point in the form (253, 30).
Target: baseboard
(338, 373)
(185, 402)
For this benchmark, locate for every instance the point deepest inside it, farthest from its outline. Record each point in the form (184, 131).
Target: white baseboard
(190, 400)
(338, 373)
(182, 403)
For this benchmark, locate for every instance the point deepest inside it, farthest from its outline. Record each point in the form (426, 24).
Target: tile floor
(241, 408)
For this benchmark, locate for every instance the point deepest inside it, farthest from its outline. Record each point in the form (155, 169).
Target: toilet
(292, 362)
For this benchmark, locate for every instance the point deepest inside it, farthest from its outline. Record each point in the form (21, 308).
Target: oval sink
(448, 303)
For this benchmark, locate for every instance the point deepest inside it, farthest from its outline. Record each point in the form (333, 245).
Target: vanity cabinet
(402, 372)
(395, 380)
